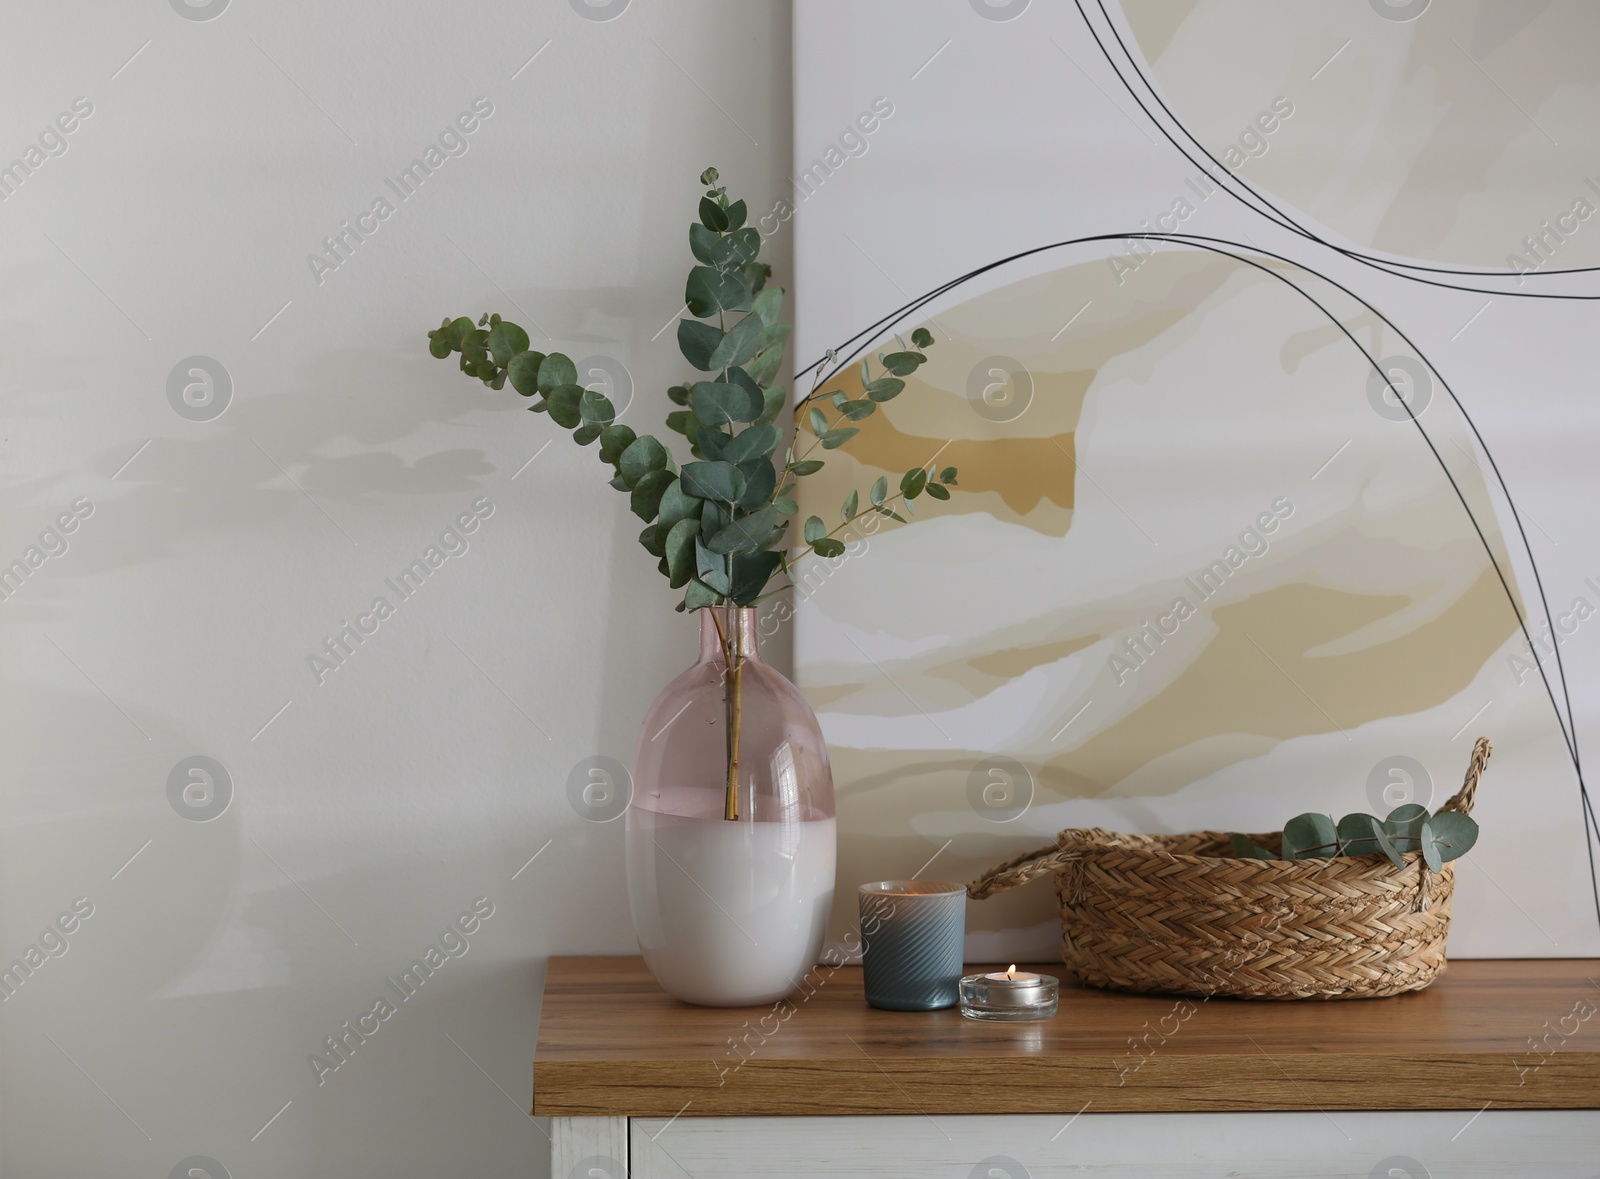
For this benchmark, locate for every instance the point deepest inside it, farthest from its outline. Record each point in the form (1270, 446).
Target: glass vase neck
(736, 626)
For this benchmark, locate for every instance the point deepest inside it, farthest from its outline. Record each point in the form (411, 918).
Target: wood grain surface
(1503, 1034)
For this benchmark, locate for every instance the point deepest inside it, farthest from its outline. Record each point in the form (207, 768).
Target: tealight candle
(1011, 996)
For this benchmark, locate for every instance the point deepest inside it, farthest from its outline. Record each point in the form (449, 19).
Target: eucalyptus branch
(716, 524)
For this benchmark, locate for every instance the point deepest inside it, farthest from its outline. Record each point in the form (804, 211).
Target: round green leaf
(643, 456)
(851, 501)
(613, 441)
(523, 369)
(828, 547)
(554, 371)
(505, 341)
(806, 467)
(716, 403)
(698, 342)
(564, 405)
(596, 409)
(712, 215)
(680, 550)
(913, 481)
(1454, 833)
(677, 504)
(937, 490)
(713, 481)
(902, 364)
(647, 492)
(815, 529)
(755, 442)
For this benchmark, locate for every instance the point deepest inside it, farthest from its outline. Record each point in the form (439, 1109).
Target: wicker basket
(1181, 914)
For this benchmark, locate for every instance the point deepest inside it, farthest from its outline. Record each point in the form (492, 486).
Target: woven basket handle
(1463, 799)
(1019, 870)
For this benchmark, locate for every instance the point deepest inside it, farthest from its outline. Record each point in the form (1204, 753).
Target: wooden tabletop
(1512, 1034)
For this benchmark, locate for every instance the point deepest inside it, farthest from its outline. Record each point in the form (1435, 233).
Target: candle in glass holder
(1010, 996)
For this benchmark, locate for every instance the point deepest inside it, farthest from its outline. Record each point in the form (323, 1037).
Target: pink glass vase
(730, 912)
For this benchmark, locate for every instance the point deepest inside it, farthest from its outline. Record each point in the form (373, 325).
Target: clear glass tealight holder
(1011, 996)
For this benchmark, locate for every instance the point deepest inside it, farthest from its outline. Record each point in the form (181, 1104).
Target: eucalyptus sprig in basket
(1357, 909)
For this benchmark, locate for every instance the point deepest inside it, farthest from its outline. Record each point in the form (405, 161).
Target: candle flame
(1011, 971)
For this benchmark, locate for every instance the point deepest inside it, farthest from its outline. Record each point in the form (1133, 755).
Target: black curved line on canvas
(1223, 176)
(858, 343)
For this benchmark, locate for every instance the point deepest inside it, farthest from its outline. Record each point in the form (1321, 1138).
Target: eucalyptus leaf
(828, 547)
(815, 529)
(785, 505)
(523, 369)
(806, 467)
(948, 475)
(912, 483)
(556, 370)
(742, 245)
(713, 481)
(651, 538)
(643, 455)
(857, 410)
(1430, 850)
(751, 443)
(736, 215)
(760, 482)
(937, 490)
(698, 342)
(712, 440)
(766, 364)
(902, 364)
(746, 533)
(834, 439)
(596, 409)
(818, 423)
(456, 331)
(709, 291)
(587, 433)
(1404, 823)
(679, 394)
(1309, 836)
(849, 509)
(506, 340)
(706, 245)
(1387, 845)
(646, 498)
(712, 215)
(1454, 834)
(711, 568)
(880, 488)
(739, 345)
(697, 595)
(750, 574)
(884, 388)
(678, 505)
(716, 403)
(922, 337)
(1355, 835)
(680, 549)
(563, 402)
(771, 404)
(768, 305)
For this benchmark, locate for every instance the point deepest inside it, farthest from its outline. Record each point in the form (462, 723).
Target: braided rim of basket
(1072, 845)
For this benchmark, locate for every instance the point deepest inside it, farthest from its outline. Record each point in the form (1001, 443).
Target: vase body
(730, 913)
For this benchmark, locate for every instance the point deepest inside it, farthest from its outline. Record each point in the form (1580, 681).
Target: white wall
(219, 554)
